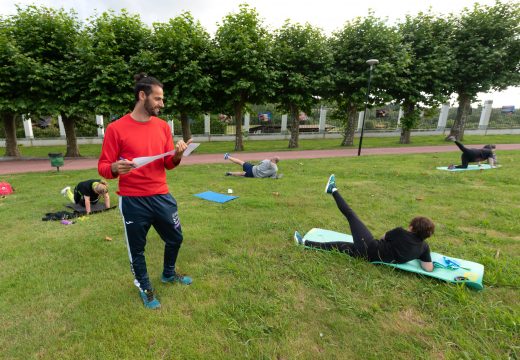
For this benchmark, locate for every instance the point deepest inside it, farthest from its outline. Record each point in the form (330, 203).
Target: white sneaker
(298, 239)
(64, 190)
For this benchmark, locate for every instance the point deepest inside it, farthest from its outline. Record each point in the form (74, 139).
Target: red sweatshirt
(127, 138)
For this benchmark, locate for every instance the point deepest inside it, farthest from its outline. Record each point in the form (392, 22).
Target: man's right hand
(122, 167)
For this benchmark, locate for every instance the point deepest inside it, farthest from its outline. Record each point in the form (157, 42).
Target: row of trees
(51, 63)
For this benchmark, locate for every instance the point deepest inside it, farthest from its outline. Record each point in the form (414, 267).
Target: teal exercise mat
(470, 168)
(449, 269)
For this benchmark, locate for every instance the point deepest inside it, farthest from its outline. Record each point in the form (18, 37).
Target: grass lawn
(67, 293)
(220, 147)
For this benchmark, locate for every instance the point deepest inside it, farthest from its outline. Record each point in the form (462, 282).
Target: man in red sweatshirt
(144, 198)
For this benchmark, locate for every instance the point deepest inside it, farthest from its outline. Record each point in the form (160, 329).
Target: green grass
(219, 147)
(67, 293)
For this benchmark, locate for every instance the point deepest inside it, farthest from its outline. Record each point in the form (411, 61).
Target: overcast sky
(329, 15)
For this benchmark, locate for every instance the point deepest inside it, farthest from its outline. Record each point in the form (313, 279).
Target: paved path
(8, 166)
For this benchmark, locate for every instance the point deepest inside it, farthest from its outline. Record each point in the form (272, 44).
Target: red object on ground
(5, 188)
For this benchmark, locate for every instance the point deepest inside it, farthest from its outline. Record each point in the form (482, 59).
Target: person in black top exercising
(88, 192)
(487, 153)
(396, 246)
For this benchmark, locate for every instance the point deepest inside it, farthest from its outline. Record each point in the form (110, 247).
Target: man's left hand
(180, 147)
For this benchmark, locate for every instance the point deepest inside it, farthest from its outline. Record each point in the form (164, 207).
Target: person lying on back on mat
(487, 153)
(88, 192)
(396, 246)
(265, 169)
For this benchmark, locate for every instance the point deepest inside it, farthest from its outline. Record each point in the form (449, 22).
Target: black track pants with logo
(139, 213)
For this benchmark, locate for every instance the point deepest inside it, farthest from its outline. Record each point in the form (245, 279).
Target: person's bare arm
(87, 204)
(426, 266)
(107, 201)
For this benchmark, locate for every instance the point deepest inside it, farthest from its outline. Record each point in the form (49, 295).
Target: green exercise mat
(449, 269)
(469, 168)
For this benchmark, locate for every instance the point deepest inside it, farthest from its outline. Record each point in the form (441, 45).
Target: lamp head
(372, 62)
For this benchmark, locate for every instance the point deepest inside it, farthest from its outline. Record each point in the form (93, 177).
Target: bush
(370, 125)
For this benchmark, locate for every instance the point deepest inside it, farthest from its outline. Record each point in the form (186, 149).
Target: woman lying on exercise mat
(396, 246)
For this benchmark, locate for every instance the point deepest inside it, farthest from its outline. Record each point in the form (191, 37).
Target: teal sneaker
(298, 239)
(331, 185)
(176, 278)
(149, 299)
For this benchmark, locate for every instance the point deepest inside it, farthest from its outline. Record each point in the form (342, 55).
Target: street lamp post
(370, 62)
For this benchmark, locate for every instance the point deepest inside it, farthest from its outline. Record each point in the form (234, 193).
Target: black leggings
(468, 155)
(364, 243)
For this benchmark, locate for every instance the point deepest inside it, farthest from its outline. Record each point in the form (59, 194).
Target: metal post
(370, 62)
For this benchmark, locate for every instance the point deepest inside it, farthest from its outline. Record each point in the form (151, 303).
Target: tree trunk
(407, 123)
(11, 148)
(405, 136)
(457, 130)
(185, 124)
(295, 127)
(70, 133)
(350, 126)
(239, 144)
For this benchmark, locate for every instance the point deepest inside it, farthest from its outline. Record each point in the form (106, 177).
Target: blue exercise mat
(470, 168)
(216, 197)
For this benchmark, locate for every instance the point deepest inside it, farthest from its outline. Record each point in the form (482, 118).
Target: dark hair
(489, 146)
(144, 83)
(422, 227)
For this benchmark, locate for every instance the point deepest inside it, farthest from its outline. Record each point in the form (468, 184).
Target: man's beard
(150, 109)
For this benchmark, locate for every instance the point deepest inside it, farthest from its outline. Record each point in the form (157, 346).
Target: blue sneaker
(331, 185)
(149, 299)
(176, 278)
(298, 239)
(226, 156)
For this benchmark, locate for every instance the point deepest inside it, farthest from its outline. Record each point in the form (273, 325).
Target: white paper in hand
(190, 149)
(143, 160)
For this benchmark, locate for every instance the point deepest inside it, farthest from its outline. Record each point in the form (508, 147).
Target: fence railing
(267, 121)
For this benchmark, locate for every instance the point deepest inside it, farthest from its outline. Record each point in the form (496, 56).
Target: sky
(329, 15)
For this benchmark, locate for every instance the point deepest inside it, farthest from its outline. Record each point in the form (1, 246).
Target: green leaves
(303, 62)
(242, 55)
(115, 40)
(486, 48)
(182, 48)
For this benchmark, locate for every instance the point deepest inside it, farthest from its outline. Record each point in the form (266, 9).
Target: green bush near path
(67, 292)
(220, 147)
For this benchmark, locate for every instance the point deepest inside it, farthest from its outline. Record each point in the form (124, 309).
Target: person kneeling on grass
(88, 192)
(265, 169)
(396, 246)
(487, 153)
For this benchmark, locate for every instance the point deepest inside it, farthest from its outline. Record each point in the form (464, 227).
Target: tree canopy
(243, 60)
(52, 63)
(303, 62)
(486, 54)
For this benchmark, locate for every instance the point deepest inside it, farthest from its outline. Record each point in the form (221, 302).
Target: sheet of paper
(143, 160)
(190, 149)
